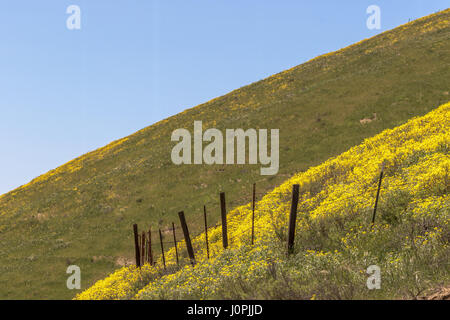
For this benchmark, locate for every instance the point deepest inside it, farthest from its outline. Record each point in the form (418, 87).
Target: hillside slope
(335, 240)
(81, 213)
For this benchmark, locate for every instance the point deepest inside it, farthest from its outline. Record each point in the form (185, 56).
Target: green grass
(86, 208)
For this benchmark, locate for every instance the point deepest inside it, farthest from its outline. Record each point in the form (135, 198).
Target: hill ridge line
(45, 176)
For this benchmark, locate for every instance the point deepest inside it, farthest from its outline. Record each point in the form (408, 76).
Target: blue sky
(66, 92)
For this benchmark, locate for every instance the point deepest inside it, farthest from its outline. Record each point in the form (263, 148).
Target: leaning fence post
(175, 242)
(162, 248)
(136, 245)
(293, 217)
(150, 253)
(253, 213)
(223, 211)
(378, 194)
(206, 231)
(187, 238)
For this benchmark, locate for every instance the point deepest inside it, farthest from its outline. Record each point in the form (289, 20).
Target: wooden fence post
(175, 242)
(253, 213)
(206, 231)
(293, 217)
(162, 248)
(139, 244)
(223, 211)
(136, 245)
(143, 248)
(146, 251)
(187, 238)
(378, 194)
(150, 253)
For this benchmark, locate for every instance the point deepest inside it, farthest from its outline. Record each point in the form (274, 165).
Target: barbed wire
(196, 219)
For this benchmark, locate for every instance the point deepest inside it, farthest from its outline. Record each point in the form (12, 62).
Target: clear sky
(134, 62)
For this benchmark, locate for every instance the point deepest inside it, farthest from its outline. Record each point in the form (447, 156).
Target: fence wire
(199, 219)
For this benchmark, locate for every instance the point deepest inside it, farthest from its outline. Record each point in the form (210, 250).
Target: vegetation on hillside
(335, 240)
(82, 212)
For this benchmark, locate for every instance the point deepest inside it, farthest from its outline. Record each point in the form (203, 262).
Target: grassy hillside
(335, 240)
(81, 213)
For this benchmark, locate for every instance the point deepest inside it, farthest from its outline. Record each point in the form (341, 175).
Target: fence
(143, 243)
